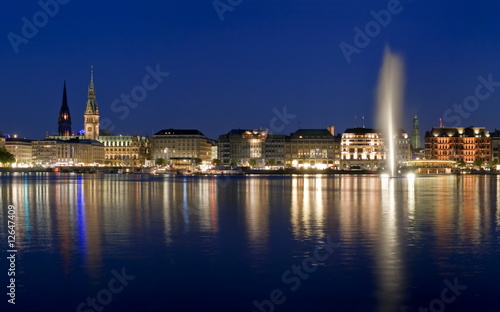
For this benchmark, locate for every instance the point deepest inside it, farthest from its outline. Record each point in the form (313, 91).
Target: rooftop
(311, 134)
(179, 132)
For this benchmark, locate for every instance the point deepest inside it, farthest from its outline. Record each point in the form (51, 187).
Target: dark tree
(478, 162)
(6, 157)
(161, 162)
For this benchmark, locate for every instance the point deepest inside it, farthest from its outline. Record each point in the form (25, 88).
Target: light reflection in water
(307, 207)
(389, 261)
(26, 203)
(498, 203)
(185, 205)
(256, 207)
(87, 220)
(411, 197)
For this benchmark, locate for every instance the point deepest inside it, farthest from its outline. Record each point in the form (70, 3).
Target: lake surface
(254, 243)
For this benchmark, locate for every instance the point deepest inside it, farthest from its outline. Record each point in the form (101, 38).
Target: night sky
(232, 73)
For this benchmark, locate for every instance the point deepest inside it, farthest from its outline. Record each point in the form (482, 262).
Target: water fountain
(389, 101)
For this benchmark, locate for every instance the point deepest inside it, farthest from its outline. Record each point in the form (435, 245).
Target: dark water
(313, 243)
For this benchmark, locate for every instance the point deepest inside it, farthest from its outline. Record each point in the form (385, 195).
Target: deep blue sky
(232, 73)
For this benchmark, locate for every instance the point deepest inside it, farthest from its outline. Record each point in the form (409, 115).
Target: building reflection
(256, 208)
(94, 225)
(84, 219)
(307, 216)
(497, 183)
(186, 205)
(359, 210)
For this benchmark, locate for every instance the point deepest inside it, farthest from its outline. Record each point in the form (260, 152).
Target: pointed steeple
(92, 76)
(92, 107)
(64, 116)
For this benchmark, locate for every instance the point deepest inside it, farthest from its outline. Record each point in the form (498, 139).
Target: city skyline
(288, 155)
(92, 111)
(225, 74)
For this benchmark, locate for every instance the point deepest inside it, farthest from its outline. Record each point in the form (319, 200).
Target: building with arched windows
(467, 144)
(365, 148)
(125, 150)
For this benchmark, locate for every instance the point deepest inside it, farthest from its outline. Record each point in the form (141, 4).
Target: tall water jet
(389, 96)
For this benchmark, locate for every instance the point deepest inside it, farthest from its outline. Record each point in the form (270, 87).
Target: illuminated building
(125, 150)
(182, 147)
(274, 150)
(21, 149)
(91, 115)
(243, 147)
(64, 116)
(120, 150)
(313, 148)
(403, 147)
(2, 142)
(214, 149)
(364, 148)
(73, 152)
(458, 143)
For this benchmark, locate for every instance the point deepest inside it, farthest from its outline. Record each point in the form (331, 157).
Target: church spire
(64, 116)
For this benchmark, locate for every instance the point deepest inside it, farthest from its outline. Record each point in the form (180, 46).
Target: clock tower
(91, 115)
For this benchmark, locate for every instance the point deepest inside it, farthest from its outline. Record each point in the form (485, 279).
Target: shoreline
(135, 170)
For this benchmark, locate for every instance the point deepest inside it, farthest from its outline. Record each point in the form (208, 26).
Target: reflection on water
(307, 207)
(389, 260)
(389, 229)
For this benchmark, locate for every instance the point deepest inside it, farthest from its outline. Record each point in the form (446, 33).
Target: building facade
(21, 149)
(403, 148)
(125, 151)
(362, 148)
(178, 146)
(243, 147)
(469, 144)
(495, 145)
(312, 148)
(274, 151)
(73, 152)
(366, 149)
